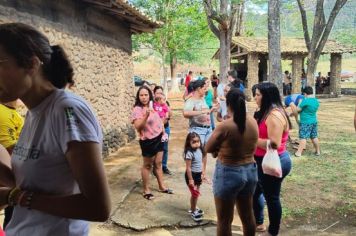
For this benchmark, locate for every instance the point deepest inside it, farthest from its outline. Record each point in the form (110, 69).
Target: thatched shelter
(252, 55)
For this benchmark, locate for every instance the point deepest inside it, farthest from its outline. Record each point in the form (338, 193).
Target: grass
(325, 186)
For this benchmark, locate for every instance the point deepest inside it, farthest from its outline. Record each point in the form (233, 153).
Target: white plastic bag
(271, 164)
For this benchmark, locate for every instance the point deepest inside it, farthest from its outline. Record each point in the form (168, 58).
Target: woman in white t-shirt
(60, 182)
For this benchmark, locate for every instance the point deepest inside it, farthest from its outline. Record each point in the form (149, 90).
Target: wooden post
(297, 66)
(252, 73)
(335, 74)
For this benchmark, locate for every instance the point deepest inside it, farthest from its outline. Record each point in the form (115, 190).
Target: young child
(193, 156)
(161, 107)
(308, 126)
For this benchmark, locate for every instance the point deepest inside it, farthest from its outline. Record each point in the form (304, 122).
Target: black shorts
(196, 177)
(150, 147)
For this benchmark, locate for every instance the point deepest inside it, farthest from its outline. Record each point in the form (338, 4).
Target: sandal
(148, 196)
(168, 191)
(261, 228)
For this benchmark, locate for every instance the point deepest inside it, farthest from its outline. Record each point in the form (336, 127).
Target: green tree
(320, 33)
(223, 17)
(184, 31)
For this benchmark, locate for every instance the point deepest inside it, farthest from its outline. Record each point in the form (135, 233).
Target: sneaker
(200, 211)
(196, 216)
(167, 171)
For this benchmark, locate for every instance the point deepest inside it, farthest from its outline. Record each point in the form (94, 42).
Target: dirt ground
(167, 214)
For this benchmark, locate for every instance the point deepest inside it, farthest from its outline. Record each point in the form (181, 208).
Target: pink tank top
(263, 134)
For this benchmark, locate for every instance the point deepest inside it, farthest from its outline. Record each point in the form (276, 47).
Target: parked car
(345, 74)
(138, 80)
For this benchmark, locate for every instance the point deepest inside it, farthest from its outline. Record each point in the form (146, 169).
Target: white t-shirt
(40, 165)
(193, 104)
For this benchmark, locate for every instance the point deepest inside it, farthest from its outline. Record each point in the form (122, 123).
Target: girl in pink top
(274, 125)
(150, 127)
(161, 107)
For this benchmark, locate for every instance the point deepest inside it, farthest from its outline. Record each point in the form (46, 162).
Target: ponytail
(240, 114)
(236, 101)
(23, 42)
(59, 69)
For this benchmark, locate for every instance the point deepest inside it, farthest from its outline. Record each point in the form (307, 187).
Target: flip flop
(261, 228)
(297, 155)
(168, 191)
(148, 196)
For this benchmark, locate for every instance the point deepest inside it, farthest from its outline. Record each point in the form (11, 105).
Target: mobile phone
(150, 105)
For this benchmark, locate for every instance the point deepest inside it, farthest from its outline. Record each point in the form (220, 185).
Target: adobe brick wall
(99, 48)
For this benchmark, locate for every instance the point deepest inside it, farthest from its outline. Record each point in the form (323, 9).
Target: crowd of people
(321, 82)
(60, 129)
(239, 143)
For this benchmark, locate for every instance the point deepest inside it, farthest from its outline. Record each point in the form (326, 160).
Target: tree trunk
(321, 31)
(240, 20)
(173, 67)
(274, 45)
(312, 64)
(163, 73)
(225, 46)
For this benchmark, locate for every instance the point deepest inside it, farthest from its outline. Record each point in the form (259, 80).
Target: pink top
(263, 134)
(154, 124)
(161, 109)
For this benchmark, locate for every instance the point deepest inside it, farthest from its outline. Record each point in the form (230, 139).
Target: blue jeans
(212, 121)
(229, 182)
(269, 188)
(165, 149)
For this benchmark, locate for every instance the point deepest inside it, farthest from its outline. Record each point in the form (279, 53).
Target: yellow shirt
(11, 123)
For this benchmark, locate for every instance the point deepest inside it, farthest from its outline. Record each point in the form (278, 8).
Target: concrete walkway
(131, 212)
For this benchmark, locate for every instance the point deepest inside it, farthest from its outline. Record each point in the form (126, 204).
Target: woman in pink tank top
(273, 125)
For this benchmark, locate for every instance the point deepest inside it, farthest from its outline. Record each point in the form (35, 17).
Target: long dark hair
(23, 42)
(271, 98)
(137, 101)
(235, 99)
(189, 138)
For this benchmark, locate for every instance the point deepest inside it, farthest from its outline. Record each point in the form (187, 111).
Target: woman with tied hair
(234, 142)
(273, 124)
(58, 180)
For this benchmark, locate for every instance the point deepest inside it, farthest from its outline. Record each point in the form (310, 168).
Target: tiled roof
(288, 45)
(122, 9)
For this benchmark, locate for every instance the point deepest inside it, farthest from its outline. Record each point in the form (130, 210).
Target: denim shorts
(307, 131)
(229, 182)
(204, 133)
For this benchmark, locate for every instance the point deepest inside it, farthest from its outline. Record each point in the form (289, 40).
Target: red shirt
(187, 80)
